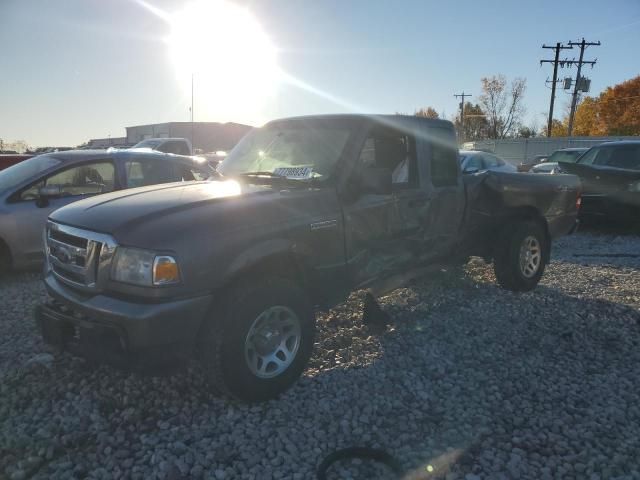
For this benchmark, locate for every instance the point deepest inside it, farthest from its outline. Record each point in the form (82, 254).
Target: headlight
(634, 187)
(144, 268)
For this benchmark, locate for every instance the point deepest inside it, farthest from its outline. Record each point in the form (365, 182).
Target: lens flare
(231, 58)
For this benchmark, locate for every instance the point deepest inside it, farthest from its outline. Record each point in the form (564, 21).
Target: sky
(79, 69)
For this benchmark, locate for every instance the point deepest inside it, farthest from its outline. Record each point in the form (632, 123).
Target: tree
(587, 121)
(502, 104)
(476, 126)
(527, 132)
(616, 111)
(559, 128)
(619, 108)
(428, 112)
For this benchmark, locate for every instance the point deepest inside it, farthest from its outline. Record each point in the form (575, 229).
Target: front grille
(77, 257)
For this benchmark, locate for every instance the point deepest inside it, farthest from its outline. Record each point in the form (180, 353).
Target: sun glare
(231, 58)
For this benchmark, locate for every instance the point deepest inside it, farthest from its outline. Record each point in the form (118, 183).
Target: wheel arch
(276, 258)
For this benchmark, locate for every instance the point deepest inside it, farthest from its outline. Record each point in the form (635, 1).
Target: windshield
(616, 156)
(20, 172)
(290, 149)
(566, 156)
(148, 144)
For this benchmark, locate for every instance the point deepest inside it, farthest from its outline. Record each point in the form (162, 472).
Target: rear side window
(622, 156)
(179, 148)
(444, 155)
(627, 156)
(141, 173)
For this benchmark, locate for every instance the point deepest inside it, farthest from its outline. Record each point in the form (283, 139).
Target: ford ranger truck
(304, 211)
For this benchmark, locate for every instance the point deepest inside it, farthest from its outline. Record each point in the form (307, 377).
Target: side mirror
(49, 191)
(45, 193)
(471, 170)
(375, 180)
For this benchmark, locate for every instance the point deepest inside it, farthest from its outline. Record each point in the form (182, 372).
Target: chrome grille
(77, 257)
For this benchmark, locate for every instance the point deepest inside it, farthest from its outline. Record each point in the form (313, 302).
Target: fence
(517, 150)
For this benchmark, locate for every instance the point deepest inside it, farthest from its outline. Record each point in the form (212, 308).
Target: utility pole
(191, 110)
(583, 45)
(462, 95)
(555, 62)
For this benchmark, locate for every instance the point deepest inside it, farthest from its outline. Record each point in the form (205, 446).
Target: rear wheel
(521, 256)
(259, 345)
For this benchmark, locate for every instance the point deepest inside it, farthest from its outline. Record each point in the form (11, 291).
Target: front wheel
(521, 256)
(258, 346)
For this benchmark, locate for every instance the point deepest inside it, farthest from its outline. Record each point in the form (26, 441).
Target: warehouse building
(207, 136)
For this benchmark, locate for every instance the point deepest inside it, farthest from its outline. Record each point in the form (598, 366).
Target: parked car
(610, 175)
(306, 210)
(179, 146)
(472, 161)
(553, 164)
(32, 189)
(530, 162)
(8, 159)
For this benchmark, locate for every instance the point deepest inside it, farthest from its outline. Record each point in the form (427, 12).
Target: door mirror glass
(376, 180)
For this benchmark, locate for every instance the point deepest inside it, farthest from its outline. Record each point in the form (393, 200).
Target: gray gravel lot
(469, 382)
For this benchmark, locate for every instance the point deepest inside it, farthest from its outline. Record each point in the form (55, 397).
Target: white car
(472, 161)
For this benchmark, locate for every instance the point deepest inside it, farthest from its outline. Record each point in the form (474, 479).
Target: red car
(8, 159)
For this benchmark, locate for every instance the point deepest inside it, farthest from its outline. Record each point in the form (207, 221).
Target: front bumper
(72, 319)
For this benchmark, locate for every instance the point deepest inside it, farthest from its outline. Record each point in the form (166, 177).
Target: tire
(237, 338)
(513, 271)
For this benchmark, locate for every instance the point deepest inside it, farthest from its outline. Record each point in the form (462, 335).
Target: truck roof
(359, 117)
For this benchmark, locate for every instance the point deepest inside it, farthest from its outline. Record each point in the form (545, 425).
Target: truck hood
(127, 210)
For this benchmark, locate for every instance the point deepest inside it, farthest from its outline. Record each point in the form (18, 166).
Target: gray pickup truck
(305, 210)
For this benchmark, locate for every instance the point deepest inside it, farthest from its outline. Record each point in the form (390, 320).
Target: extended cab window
(395, 151)
(444, 155)
(85, 179)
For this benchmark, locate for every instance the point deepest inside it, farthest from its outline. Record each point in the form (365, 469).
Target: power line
(555, 62)
(583, 45)
(462, 95)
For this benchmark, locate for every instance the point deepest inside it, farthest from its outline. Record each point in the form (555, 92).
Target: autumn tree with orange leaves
(616, 111)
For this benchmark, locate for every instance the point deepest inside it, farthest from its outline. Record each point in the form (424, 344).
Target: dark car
(306, 210)
(9, 159)
(553, 164)
(610, 175)
(33, 188)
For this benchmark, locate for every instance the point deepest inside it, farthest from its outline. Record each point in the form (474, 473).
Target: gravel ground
(468, 382)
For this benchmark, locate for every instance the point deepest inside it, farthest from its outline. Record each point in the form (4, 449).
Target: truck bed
(493, 197)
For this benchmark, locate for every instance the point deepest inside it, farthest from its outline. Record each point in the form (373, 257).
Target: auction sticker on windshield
(294, 172)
